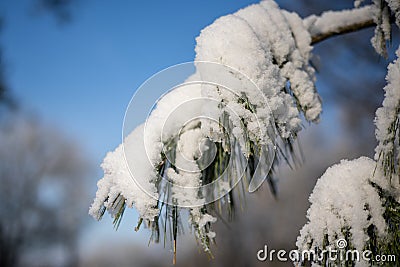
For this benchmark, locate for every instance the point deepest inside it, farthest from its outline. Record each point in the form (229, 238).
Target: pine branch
(333, 23)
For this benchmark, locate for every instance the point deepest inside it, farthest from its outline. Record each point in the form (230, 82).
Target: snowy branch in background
(333, 23)
(379, 14)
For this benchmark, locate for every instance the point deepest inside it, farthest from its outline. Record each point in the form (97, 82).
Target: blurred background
(68, 69)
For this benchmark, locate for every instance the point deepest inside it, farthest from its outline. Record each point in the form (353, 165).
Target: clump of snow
(187, 180)
(344, 199)
(200, 222)
(382, 12)
(118, 180)
(381, 19)
(272, 48)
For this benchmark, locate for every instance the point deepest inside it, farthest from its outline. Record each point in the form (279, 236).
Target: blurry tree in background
(42, 186)
(4, 94)
(60, 8)
(42, 180)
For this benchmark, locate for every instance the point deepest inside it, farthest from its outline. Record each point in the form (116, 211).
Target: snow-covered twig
(332, 23)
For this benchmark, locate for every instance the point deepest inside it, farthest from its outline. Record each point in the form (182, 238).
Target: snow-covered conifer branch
(333, 23)
(262, 82)
(381, 14)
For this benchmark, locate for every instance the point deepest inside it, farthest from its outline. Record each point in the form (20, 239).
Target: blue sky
(81, 75)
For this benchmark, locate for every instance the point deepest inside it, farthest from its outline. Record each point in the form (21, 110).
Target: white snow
(270, 46)
(343, 198)
(388, 116)
(381, 14)
(138, 192)
(333, 21)
(199, 220)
